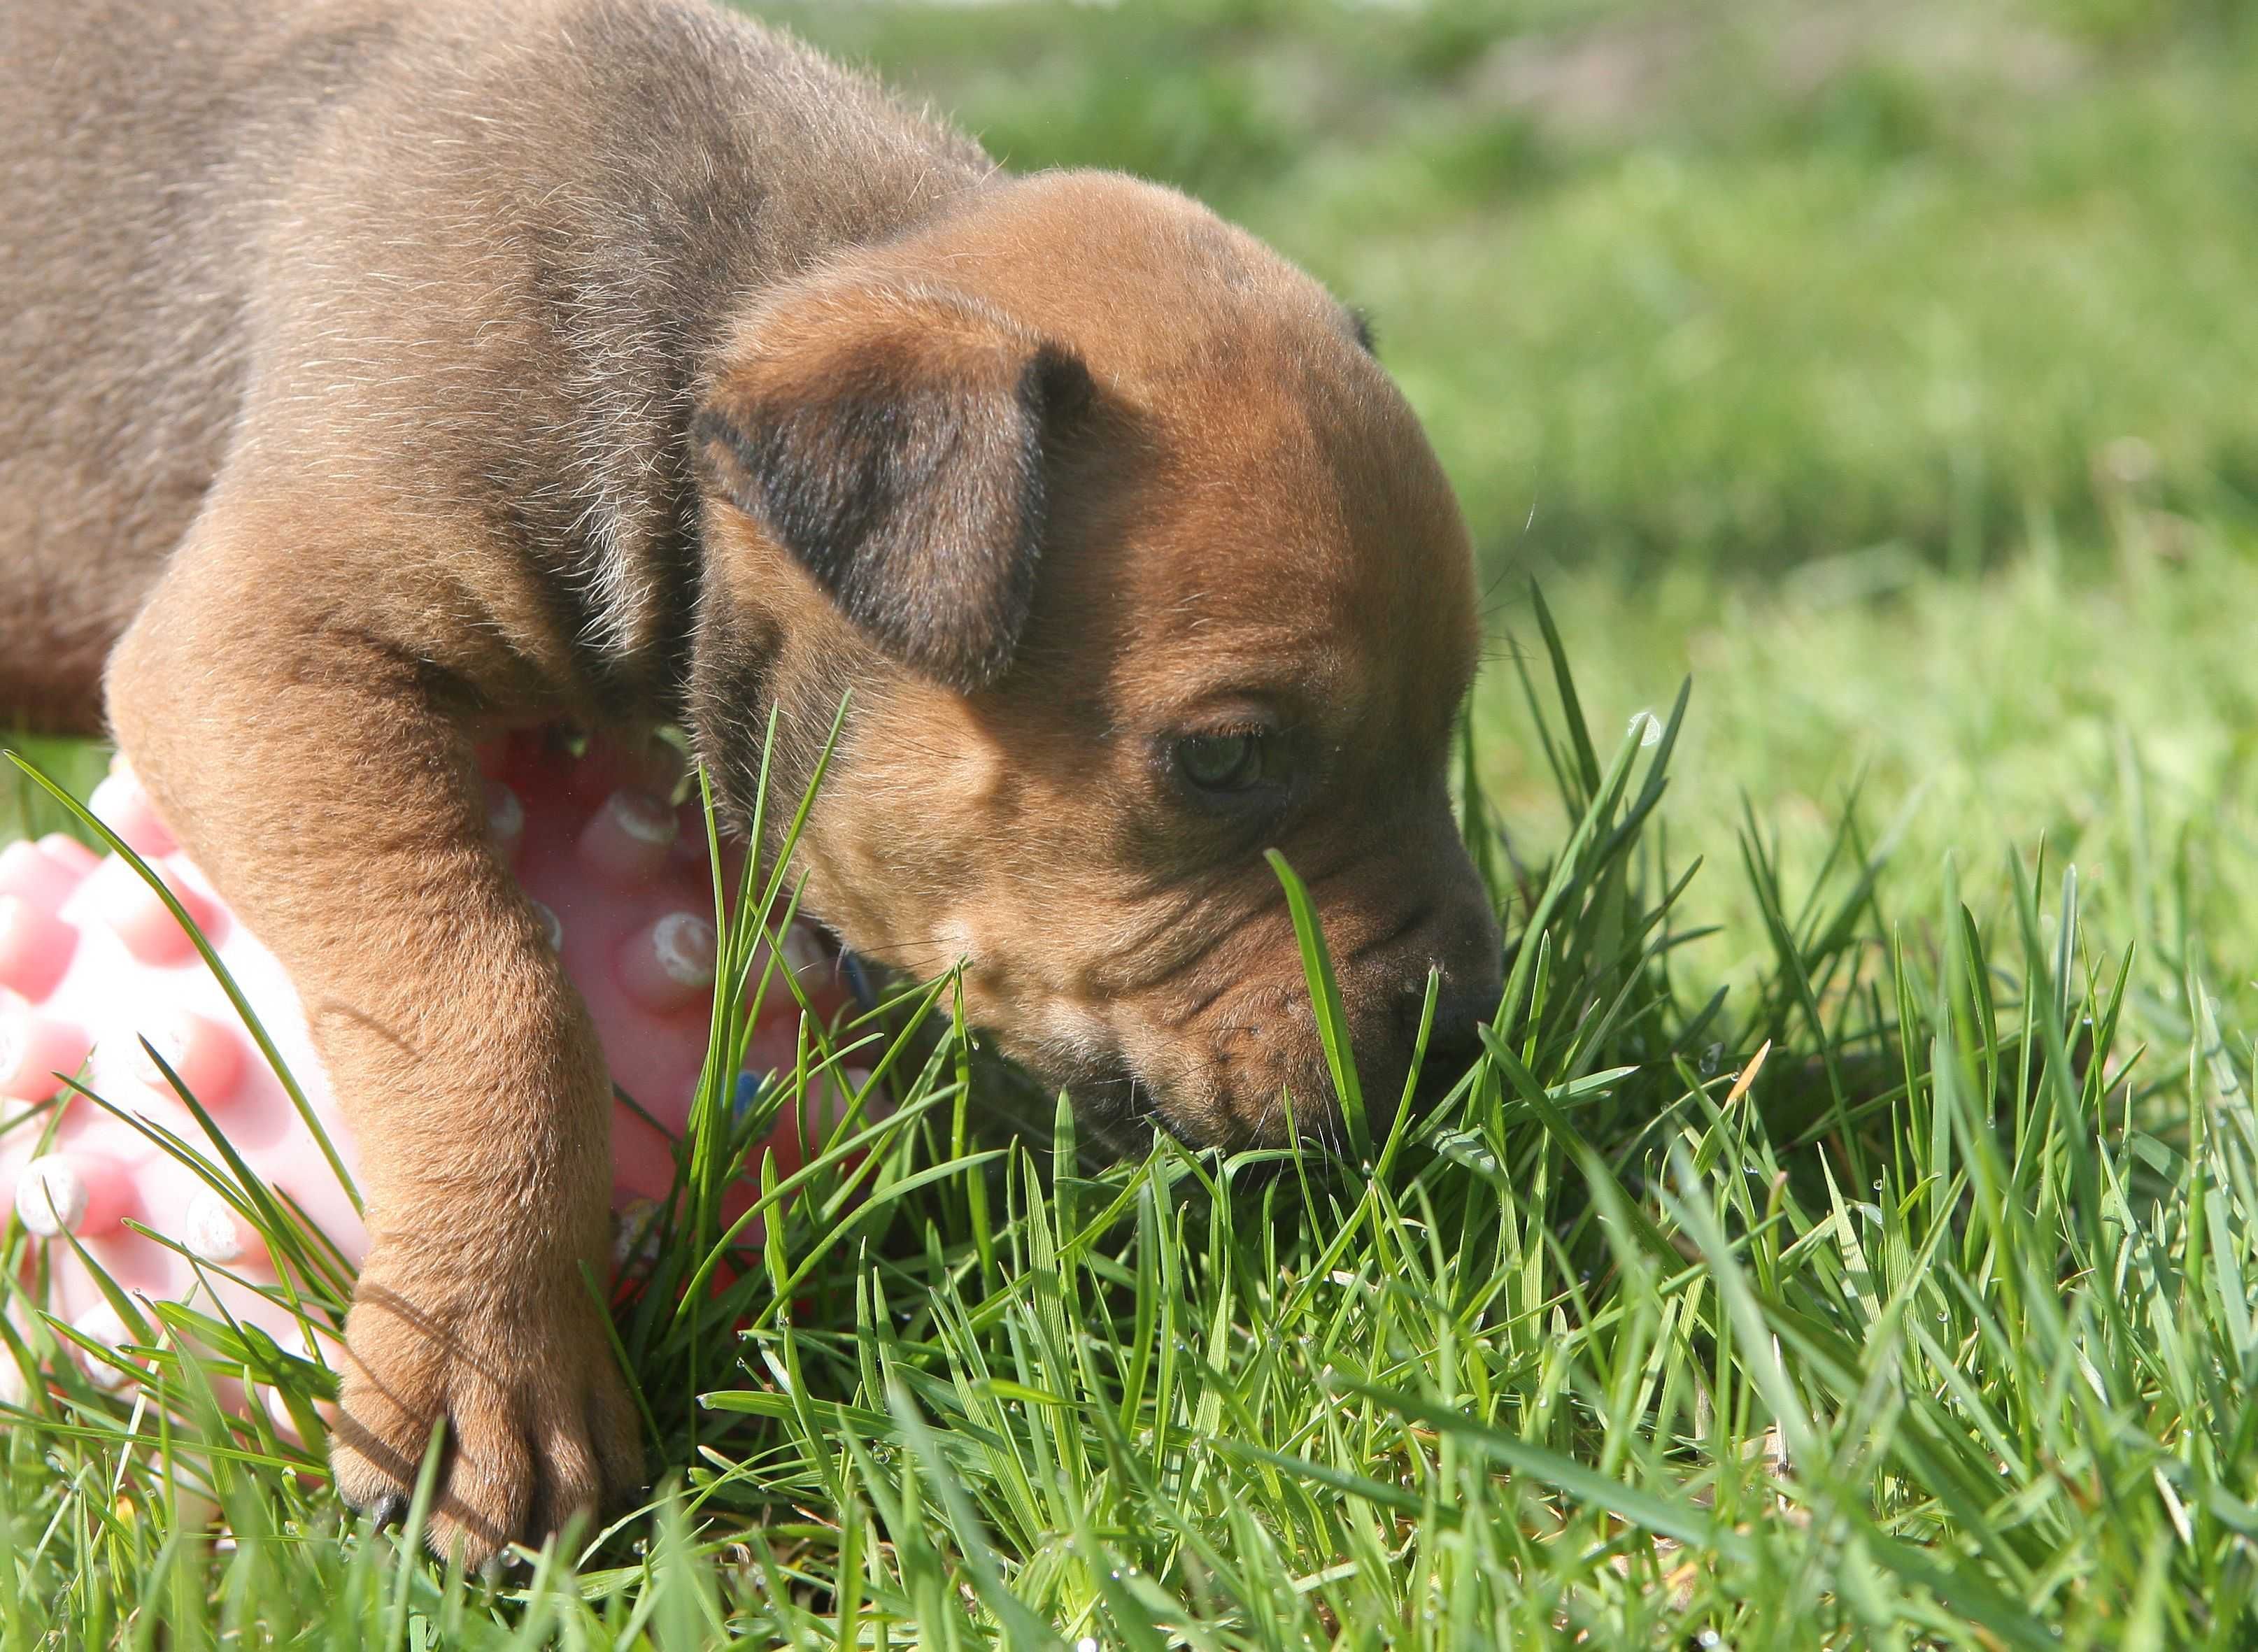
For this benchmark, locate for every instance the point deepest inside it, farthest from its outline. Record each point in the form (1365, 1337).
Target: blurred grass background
(1891, 367)
(1734, 285)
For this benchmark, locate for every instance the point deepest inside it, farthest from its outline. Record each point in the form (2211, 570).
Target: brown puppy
(375, 373)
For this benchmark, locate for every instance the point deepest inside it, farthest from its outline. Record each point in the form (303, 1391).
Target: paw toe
(486, 1488)
(375, 1471)
(570, 1484)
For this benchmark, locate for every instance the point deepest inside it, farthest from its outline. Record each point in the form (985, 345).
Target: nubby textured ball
(96, 972)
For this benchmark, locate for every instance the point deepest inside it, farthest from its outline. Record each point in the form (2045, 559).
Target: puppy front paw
(538, 1423)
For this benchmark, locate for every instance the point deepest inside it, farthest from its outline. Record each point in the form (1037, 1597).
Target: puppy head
(1136, 564)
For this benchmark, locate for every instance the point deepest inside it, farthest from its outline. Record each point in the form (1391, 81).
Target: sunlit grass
(1729, 285)
(1902, 1299)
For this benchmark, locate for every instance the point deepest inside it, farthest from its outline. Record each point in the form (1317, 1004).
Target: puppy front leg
(317, 772)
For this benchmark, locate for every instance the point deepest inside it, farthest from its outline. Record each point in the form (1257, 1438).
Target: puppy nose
(1462, 1008)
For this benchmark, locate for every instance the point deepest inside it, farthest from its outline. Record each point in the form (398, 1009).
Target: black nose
(1454, 1042)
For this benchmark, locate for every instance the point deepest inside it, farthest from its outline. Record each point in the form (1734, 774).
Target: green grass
(2111, 716)
(1898, 1297)
(1733, 284)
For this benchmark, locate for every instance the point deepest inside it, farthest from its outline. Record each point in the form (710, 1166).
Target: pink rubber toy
(91, 963)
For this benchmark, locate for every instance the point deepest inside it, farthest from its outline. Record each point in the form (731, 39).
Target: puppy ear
(895, 447)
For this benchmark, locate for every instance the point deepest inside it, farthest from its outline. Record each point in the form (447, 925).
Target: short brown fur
(377, 374)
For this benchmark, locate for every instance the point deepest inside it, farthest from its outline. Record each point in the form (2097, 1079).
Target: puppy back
(492, 238)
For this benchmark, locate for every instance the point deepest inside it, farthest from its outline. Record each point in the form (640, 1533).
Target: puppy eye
(1222, 763)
